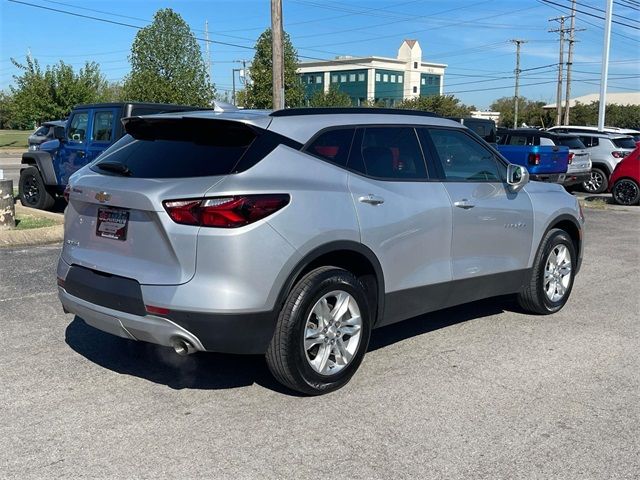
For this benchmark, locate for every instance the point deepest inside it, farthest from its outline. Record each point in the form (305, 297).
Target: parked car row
(606, 148)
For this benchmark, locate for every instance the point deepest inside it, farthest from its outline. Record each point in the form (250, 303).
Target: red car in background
(625, 179)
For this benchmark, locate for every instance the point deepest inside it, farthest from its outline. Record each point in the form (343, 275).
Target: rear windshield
(178, 148)
(571, 142)
(625, 142)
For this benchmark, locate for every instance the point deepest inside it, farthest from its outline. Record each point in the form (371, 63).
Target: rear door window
(624, 142)
(103, 126)
(390, 153)
(589, 141)
(333, 145)
(178, 148)
(571, 142)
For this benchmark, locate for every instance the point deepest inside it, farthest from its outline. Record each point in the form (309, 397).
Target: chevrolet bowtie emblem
(103, 197)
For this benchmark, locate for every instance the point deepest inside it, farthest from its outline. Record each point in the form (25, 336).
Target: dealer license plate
(112, 223)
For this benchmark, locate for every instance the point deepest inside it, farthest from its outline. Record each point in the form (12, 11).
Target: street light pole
(605, 66)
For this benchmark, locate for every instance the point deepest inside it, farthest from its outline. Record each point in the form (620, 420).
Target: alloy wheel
(557, 273)
(625, 192)
(594, 184)
(332, 332)
(31, 190)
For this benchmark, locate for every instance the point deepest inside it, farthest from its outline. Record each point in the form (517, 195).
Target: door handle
(371, 199)
(464, 203)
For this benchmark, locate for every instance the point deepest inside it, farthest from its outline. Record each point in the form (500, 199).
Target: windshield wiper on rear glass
(115, 167)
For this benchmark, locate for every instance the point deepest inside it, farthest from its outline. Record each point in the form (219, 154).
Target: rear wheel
(552, 277)
(32, 190)
(598, 182)
(322, 332)
(626, 192)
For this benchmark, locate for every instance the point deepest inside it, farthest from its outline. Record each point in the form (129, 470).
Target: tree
(332, 98)
(444, 105)
(622, 116)
(529, 112)
(259, 94)
(167, 64)
(51, 94)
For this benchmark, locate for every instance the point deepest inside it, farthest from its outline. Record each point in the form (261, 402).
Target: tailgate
(130, 234)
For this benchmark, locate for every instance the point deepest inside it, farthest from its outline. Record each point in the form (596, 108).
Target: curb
(34, 236)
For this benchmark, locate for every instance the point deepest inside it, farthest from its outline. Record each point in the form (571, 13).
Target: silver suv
(295, 233)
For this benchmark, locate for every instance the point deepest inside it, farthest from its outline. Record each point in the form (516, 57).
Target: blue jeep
(90, 130)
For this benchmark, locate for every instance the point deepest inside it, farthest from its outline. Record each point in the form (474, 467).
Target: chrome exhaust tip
(183, 347)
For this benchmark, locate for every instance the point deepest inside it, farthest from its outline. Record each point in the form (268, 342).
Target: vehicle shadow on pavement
(215, 371)
(205, 371)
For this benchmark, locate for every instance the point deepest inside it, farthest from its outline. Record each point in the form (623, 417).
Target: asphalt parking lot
(479, 391)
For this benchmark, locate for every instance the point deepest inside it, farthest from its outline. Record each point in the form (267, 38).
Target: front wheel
(597, 183)
(32, 190)
(626, 192)
(322, 332)
(552, 276)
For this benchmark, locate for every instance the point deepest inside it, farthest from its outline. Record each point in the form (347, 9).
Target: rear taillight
(225, 212)
(617, 154)
(67, 191)
(534, 159)
(571, 155)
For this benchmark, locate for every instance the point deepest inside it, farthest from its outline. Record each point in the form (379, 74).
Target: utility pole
(605, 65)
(277, 53)
(572, 40)
(207, 47)
(560, 68)
(517, 72)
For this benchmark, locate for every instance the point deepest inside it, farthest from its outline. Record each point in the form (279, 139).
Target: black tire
(286, 355)
(626, 192)
(598, 183)
(32, 190)
(533, 297)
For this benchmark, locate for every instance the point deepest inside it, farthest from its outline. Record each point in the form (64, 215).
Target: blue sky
(471, 36)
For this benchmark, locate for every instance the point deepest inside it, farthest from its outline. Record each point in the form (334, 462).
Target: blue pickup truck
(536, 150)
(89, 131)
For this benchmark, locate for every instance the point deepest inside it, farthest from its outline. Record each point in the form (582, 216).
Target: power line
(105, 20)
(585, 13)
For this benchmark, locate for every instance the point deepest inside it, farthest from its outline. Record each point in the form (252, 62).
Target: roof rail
(294, 112)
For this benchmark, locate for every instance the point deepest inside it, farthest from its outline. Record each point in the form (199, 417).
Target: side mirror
(517, 177)
(58, 132)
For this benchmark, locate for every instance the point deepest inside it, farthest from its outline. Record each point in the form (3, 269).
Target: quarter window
(103, 126)
(391, 153)
(333, 145)
(78, 127)
(462, 158)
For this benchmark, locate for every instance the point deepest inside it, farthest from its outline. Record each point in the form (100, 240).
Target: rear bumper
(248, 333)
(115, 305)
(577, 177)
(548, 177)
